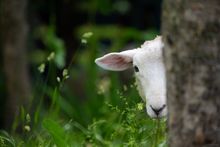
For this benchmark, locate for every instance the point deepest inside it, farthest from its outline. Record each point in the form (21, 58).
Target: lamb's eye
(136, 69)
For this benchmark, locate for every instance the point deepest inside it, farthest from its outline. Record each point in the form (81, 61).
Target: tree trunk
(13, 41)
(191, 33)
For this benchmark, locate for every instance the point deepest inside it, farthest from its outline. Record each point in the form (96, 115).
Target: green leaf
(56, 131)
(6, 139)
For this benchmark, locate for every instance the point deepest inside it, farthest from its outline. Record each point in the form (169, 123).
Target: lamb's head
(149, 70)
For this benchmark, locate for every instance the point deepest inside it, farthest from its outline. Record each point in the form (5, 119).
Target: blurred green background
(73, 102)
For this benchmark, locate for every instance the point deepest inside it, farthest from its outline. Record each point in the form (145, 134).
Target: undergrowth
(111, 116)
(118, 127)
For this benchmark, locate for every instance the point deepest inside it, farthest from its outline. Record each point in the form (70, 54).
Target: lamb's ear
(116, 61)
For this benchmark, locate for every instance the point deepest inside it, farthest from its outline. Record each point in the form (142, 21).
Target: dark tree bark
(191, 33)
(13, 41)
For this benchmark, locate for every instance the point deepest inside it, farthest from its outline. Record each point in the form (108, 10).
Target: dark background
(64, 21)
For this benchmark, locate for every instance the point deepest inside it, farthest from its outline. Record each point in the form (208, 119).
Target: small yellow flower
(140, 106)
(58, 79)
(65, 72)
(87, 35)
(84, 41)
(27, 128)
(125, 87)
(28, 118)
(103, 85)
(51, 56)
(41, 68)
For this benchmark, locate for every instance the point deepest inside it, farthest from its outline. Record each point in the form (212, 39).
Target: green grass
(126, 126)
(99, 110)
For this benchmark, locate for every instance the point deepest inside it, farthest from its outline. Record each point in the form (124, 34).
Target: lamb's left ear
(116, 61)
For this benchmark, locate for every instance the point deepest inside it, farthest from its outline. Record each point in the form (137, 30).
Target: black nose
(156, 110)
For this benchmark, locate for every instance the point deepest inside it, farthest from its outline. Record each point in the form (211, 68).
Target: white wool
(151, 79)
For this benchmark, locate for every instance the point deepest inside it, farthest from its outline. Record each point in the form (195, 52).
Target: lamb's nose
(157, 110)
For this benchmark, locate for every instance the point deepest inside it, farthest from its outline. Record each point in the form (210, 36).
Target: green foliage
(126, 125)
(6, 140)
(56, 131)
(99, 110)
(52, 43)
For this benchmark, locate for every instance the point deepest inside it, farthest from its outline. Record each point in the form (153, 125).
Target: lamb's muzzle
(157, 111)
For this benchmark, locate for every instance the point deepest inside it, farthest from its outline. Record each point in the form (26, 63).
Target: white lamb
(148, 65)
